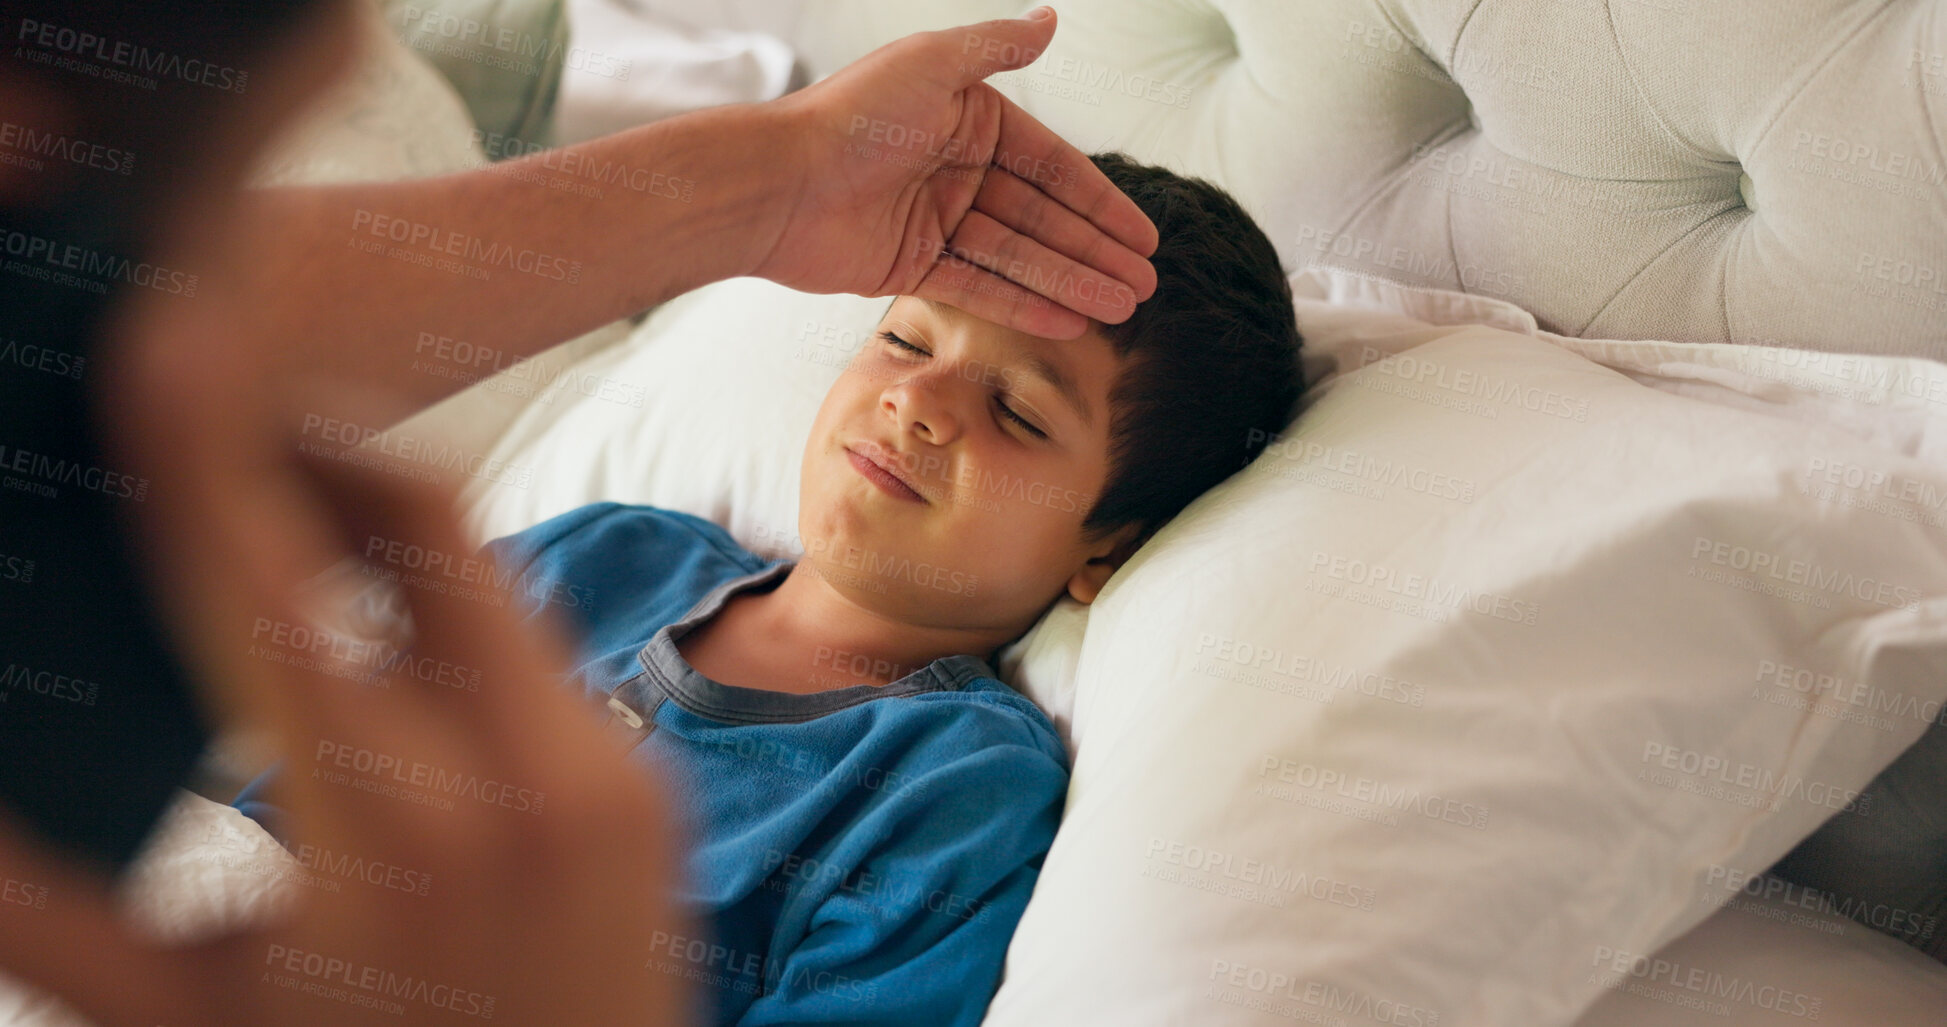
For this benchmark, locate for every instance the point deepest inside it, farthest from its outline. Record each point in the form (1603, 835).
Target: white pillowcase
(1774, 958)
(704, 409)
(1460, 699)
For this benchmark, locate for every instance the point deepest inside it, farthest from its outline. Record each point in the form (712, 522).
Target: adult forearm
(419, 287)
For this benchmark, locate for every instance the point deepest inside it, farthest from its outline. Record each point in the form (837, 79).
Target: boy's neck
(804, 635)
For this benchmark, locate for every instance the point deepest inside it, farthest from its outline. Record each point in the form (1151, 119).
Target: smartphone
(99, 722)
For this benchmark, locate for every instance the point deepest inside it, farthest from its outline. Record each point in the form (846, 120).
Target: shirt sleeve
(520, 553)
(917, 932)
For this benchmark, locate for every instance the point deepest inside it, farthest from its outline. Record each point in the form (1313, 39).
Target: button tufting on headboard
(1592, 160)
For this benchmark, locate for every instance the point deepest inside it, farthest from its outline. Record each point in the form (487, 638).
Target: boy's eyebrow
(1039, 366)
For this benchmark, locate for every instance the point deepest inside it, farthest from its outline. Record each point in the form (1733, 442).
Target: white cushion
(704, 409)
(1311, 780)
(391, 116)
(1773, 956)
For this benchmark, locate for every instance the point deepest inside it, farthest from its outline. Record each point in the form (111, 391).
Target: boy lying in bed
(868, 806)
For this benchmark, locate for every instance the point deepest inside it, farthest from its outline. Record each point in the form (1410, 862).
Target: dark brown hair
(1210, 361)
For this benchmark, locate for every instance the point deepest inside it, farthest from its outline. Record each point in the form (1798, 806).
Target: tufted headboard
(1693, 170)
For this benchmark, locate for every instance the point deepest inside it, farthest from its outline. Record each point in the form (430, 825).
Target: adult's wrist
(772, 136)
(744, 179)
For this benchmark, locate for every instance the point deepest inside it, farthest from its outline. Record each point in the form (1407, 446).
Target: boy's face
(995, 533)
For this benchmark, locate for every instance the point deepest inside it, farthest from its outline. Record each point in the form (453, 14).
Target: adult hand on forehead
(914, 177)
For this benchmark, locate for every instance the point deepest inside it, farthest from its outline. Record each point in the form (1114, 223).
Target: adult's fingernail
(1041, 13)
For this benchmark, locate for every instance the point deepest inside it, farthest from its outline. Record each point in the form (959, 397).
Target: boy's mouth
(872, 462)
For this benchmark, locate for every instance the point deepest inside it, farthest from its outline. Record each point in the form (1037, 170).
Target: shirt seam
(943, 683)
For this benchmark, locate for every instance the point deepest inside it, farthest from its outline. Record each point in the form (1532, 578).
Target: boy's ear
(1087, 582)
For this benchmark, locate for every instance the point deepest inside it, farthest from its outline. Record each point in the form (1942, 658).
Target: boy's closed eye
(1006, 411)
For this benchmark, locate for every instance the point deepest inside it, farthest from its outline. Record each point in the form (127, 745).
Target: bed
(1604, 566)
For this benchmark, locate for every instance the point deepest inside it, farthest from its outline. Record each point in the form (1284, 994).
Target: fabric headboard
(1692, 170)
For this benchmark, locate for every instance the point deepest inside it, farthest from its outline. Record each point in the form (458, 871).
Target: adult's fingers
(1025, 262)
(960, 57)
(1034, 152)
(961, 283)
(470, 660)
(59, 932)
(1021, 207)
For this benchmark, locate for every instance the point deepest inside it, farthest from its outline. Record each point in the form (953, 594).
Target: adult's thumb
(991, 47)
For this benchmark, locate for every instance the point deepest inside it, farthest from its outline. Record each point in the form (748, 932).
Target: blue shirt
(860, 855)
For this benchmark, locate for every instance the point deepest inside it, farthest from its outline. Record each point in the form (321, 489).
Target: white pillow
(1317, 779)
(704, 409)
(1773, 957)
